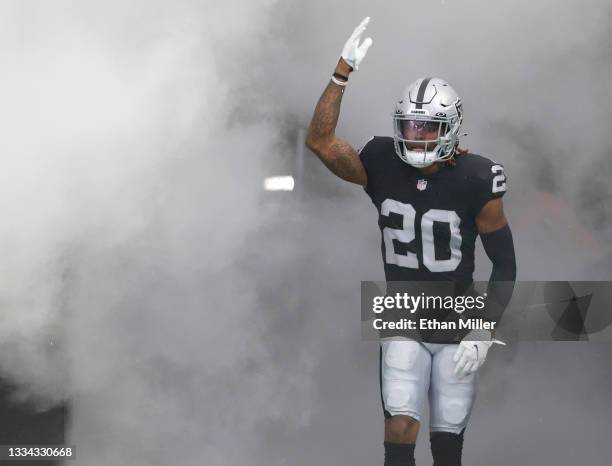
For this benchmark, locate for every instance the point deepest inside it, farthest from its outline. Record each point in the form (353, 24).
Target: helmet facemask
(421, 140)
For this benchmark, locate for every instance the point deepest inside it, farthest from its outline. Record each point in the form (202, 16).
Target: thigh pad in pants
(405, 371)
(451, 398)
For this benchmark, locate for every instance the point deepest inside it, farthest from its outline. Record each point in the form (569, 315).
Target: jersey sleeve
(370, 155)
(366, 152)
(491, 183)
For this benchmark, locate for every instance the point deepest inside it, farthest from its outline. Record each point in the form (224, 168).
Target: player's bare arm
(338, 155)
(491, 217)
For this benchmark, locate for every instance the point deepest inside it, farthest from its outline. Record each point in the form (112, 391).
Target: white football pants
(411, 370)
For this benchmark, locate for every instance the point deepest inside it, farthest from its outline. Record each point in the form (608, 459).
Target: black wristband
(339, 76)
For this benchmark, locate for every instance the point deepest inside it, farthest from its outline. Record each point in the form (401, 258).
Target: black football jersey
(428, 221)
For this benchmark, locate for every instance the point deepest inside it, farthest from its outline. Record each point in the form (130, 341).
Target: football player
(433, 200)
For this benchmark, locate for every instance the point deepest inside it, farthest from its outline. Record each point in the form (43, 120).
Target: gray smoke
(190, 317)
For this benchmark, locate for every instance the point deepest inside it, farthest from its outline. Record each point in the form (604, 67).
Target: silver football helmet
(426, 122)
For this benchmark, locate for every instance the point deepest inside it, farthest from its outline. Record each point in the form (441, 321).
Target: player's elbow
(499, 246)
(318, 145)
(311, 143)
(314, 142)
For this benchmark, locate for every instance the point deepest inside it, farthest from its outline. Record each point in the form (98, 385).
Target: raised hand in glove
(353, 53)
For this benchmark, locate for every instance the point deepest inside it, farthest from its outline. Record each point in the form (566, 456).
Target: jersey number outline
(499, 181)
(408, 234)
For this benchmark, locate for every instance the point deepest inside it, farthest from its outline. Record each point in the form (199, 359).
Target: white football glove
(353, 53)
(472, 353)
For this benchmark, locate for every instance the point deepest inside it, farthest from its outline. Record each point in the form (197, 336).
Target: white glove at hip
(353, 53)
(472, 352)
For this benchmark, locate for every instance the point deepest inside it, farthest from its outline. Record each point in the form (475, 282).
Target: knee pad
(446, 448)
(450, 413)
(404, 378)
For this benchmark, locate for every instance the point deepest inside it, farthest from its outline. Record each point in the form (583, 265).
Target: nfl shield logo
(421, 185)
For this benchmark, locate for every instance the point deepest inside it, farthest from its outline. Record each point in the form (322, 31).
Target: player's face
(418, 130)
